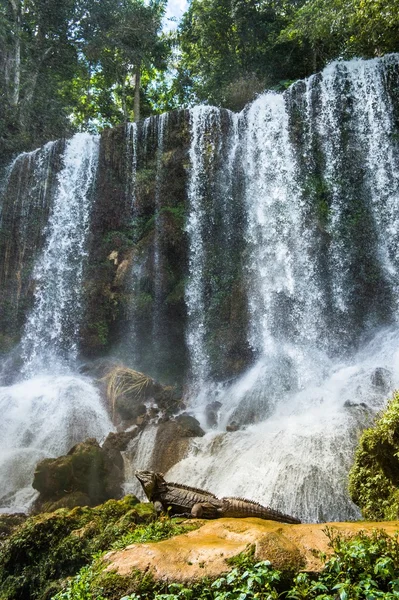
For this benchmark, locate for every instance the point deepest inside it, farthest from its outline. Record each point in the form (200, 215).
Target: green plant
(374, 477)
(156, 531)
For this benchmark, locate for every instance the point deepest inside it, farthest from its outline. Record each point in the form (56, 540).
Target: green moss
(46, 548)
(101, 330)
(177, 294)
(143, 303)
(145, 178)
(374, 477)
(117, 240)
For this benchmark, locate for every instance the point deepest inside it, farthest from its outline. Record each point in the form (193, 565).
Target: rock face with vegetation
(139, 212)
(60, 555)
(374, 477)
(47, 548)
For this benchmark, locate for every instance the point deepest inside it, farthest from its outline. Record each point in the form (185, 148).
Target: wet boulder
(136, 398)
(212, 413)
(172, 441)
(381, 379)
(87, 475)
(189, 426)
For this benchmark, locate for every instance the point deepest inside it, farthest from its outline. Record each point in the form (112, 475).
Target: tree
(345, 28)
(37, 54)
(68, 64)
(230, 50)
(120, 40)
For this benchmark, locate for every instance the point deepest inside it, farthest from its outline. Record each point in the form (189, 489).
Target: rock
(211, 413)
(205, 551)
(233, 426)
(171, 445)
(381, 378)
(351, 404)
(130, 394)
(123, 270)
(129, 408)
(119, 441)
(189, 426)
(173, 441)
(87, 475)
(9, 522)
(68, 501)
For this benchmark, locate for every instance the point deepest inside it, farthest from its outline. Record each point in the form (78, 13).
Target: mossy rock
(374, 477)
(87, 475)
(43, 550)
(10, 522)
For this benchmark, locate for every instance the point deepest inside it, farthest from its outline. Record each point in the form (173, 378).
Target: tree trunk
(14, 77)
(137, 85)
(124, 105)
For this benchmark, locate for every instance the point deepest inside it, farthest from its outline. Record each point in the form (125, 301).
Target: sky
(175, 9)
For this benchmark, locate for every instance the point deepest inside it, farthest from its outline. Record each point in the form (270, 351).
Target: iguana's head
(151, 482)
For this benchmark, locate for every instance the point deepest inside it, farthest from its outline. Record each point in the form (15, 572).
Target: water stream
(51, 408)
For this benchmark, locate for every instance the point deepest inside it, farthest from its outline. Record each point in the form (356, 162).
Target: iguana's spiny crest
(152, 482)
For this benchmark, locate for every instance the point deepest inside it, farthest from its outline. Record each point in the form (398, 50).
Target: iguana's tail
(241, 508)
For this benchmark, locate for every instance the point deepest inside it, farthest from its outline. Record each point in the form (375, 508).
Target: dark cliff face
(138, 249)
(139, 256)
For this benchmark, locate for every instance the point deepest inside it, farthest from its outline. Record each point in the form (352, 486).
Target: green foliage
(374, 477)
(229, 52)
(81, 586)
(49, 547)
(345, 28)
(71, 64)
(153, 532)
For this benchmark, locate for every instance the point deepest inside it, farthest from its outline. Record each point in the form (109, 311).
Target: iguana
(193, 502)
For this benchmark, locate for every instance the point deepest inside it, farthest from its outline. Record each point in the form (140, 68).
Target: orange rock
(203, 552)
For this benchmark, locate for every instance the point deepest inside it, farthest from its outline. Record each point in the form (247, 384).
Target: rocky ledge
(206, 551)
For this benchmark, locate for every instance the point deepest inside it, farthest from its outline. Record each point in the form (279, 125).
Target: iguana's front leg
(158, 507)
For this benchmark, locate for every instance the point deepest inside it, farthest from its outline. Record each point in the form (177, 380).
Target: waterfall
(286, 241)
(52, 328)
(138, 455)
(202, 118)
(320, 168)
(131, 167)
(162, 125)
(25, 200)
(53, 408)
(211, 226)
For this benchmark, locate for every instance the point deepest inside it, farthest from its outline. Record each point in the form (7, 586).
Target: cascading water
(162, 125)
(131, 167)
(52, 408)
(211, 224)
(26, 193)
(320, 188)
(53, 326)
(202, 120)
